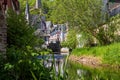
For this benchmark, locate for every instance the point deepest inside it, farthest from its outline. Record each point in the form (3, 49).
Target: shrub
(21, 58)
(71, 41)
(19, 33)
(19, 65)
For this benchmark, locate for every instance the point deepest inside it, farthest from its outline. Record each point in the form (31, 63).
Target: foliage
(77, 13)
(19, 33)
(110, 54)
(45, 7)
(83, 15)
(24, 65)
(109, 32)
(21, 56)
(64, 44)
(71, 41)
(19, 64)
(35, 11)
(86, 40)
(55, 11)
(30, 2)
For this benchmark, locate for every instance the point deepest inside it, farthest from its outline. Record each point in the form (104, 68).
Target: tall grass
(109, 53)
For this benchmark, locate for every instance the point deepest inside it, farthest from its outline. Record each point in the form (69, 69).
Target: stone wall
(3, 33)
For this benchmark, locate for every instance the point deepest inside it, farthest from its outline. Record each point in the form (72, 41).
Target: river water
(79, 72)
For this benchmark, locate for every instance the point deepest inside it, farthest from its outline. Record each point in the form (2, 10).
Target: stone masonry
(3, 34)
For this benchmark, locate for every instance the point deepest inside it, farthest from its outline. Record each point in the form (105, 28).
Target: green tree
(71, 40)
(23, 3)
(109, 32)
(85, 16)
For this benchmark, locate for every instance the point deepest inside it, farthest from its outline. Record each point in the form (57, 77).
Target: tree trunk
(38, 4)
(3, 33)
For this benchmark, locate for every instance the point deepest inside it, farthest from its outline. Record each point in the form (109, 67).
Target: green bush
(21, 62)
(71, 41)
(24, 65)
(21, 58)
(19, 33)
(64, 44)
(21, 65)
(109, 54)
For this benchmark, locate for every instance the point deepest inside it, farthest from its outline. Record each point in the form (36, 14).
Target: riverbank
(77, 71)
(86, 60)
(102, 56)
(92, 62)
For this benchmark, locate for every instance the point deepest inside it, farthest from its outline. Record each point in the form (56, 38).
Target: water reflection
(80, 72)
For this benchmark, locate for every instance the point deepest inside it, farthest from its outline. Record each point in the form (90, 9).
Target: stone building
(38, 21)
(4, 5)
(3, 33)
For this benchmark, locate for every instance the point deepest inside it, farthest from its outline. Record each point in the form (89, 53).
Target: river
(77, 71)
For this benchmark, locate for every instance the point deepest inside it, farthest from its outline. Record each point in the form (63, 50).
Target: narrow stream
(80, 72)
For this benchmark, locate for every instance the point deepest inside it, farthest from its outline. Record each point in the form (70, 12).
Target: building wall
(3, 33)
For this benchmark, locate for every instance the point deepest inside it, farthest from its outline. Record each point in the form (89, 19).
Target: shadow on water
(80, 72)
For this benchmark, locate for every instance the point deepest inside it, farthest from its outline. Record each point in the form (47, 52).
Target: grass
(109, 54)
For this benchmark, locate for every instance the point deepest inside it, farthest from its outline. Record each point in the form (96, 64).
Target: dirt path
(90, 61)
